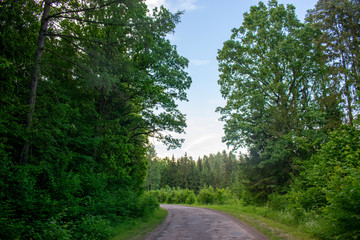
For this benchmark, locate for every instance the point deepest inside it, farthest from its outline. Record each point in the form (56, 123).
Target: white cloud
(203, 138)
(187, 5)
(173, 5)
(198, 62)
(154, 3)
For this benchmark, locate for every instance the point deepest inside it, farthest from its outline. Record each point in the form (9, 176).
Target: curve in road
(191, 223)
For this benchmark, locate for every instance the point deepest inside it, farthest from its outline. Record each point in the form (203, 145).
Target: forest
(85, 84)
(292, 100)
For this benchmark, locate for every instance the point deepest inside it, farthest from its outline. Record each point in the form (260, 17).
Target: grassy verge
(138, 228)
(274, 224)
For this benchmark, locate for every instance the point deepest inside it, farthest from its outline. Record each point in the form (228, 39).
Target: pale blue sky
(204, 27)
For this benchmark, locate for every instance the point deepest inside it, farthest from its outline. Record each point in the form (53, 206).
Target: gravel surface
(193, 223)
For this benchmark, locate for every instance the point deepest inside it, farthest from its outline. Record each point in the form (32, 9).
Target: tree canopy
(278, 97)
(84, 85)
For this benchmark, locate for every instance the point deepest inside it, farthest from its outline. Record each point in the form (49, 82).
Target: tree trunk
(35, 74)
(347, 91)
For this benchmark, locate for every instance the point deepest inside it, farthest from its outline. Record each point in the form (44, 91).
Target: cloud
(198, 62)
(187, 5)
(203, 138)
(173, 5)
(155, 3)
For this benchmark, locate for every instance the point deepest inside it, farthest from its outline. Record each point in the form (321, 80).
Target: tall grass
(137, 229)
(274, 224)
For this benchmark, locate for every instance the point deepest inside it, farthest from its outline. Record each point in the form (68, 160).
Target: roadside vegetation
(321, 202)
(273, 223)
(137, 229)
(85, 84)
(292, 101)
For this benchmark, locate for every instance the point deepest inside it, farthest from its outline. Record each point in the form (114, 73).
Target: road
(192, 223)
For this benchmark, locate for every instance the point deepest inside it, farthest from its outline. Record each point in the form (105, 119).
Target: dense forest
(84, 84)
(292, 100)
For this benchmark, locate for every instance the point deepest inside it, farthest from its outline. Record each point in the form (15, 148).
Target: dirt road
(201, 224)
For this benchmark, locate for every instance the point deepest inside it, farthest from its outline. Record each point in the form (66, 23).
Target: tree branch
(91, 21)
(84, 9)
(74, 37)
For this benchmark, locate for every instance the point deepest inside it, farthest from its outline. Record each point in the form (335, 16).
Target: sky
(204, 27)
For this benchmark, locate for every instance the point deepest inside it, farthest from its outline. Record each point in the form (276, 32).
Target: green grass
(139, 228)
(274, 224)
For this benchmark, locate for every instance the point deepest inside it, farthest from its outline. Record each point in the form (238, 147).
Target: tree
(339, 22)
(102, 70)
(19, 20)
(329, 184)
(155, 168)
(272, 77)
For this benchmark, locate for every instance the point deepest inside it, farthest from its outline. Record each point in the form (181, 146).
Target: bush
(206, 196)
(92, 228)
(147, 204)
(330, 186)
(191, 198)
(277, 201)
(161, 195)
(181, 195)
(225, 196)
(343, 212)
(185, 196)
(171, 196)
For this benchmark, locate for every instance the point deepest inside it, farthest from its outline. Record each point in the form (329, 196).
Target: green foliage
(338, 20)
(219, 170)
(178, 195)
(329, 186)
(191, 198)
(206, 196)
(138, 228)
(225, 196)
(92, 227)
(147, 204)
(155, 168)
(108, 80)
(279, 100)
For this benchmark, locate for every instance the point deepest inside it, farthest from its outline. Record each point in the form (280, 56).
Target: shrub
(277, 201)
(147, 204)
(162, 195)
(182, 194)
(225, 196)
(191, 198)
(206, 196)
(92, 228)
(171, 197)
(330, 185)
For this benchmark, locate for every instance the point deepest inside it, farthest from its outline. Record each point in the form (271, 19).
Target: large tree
(339, 22)
(278, 98)
(105, 78)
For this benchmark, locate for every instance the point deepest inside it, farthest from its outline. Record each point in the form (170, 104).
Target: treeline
(221, 170)
(83, 84)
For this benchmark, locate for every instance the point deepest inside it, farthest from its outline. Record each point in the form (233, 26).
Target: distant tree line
(219, 170)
